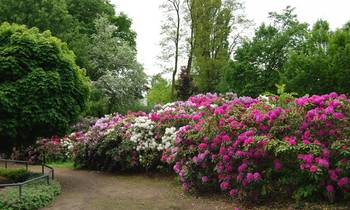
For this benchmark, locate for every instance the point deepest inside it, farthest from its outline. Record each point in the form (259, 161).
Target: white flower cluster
(67, 144)
(267, 100)
(142, 133)
(168, 139)
(175, 106)
(169, 107)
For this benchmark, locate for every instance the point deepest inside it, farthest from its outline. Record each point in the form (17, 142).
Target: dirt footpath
(90, 190)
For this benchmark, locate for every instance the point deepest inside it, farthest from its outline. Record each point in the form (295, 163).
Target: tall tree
(213, 22)
(185, 86)
(258, 62)
(200, 30)
(171, 36)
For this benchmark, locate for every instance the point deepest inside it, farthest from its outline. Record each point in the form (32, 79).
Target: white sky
(147, 18)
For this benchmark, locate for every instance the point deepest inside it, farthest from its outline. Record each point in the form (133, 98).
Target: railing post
(21, 185)
(20, 191)
(42, 164)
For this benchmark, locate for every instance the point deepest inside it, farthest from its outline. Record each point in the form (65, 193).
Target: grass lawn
(68, 165)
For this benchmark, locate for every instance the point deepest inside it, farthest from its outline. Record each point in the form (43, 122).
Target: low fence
(45, 174)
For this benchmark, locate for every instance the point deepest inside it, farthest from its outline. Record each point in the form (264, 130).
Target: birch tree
(171, 33)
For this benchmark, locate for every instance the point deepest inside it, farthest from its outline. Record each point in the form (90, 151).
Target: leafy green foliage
(45, 15)
(99, 105)
(86, 11)
(160, 93)
(42, 90)
(321, 65)
(15, 175)
(258, 62)
(35, 196)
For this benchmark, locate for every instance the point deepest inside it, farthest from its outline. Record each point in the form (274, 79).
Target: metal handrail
(20, 185)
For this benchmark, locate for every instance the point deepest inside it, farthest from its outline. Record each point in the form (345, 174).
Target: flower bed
(36, 195)
(249, 148)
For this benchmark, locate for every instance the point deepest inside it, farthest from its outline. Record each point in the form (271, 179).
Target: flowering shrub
(50, 150)
(84, 124)
(142, 135)
(250, 148)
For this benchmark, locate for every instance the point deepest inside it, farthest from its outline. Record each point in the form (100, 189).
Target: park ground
(92, 190)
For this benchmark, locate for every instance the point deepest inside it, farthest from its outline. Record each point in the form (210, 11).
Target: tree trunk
(177, 40)
(191, 41)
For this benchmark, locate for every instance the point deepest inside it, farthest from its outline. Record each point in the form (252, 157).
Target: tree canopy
(259, 61)
(322, 65)
(160, 92)
(70, 20)
(42, 90)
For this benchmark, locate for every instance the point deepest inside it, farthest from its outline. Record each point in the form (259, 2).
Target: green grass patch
(15, 175)
(67, 164)
(35, 195)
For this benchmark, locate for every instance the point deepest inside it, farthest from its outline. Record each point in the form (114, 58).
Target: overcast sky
(147, 18)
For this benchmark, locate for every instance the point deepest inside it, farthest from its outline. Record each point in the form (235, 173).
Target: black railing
(21, 185)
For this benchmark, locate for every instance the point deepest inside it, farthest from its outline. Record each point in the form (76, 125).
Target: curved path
(90, 190)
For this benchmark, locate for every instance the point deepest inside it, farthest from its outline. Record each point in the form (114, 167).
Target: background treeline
(215, 56)
(309, 60)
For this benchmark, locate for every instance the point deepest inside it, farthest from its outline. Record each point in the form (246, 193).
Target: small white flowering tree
(116, 73)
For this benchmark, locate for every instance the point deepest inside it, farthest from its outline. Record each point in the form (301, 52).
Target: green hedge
(15, 175)
(36, 195)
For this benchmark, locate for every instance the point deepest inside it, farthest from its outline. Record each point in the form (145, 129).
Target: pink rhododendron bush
(253, 148)
(248, 148)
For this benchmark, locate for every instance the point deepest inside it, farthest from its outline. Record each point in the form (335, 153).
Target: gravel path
(90, 190)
